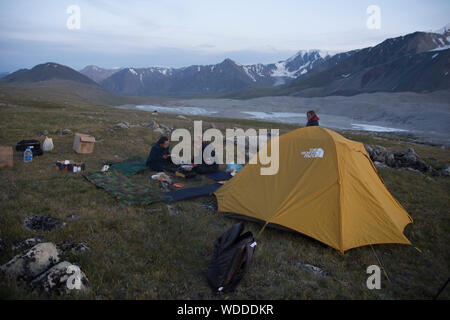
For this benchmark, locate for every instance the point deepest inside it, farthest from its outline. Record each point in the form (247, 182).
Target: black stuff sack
(34, 144)
(233, 252)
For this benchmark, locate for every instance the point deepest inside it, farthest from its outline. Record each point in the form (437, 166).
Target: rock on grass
(26, 243)
(43, 223)
(33, 262)
(67, 247)
(316, 270)
(62, 279)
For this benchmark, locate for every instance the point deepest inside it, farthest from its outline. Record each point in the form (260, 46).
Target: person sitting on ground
(313, 119)
(208, 164)
(159, 155)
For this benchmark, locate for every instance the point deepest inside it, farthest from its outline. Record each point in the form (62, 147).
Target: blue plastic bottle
(28, 155)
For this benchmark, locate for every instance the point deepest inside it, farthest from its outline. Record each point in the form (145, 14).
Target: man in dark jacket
(159, 155)
(313, 119)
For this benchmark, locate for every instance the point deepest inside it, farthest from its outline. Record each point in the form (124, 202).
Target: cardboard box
(83, 143)
(6, 156)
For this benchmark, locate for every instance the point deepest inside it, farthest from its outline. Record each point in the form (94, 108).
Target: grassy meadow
(150, 253)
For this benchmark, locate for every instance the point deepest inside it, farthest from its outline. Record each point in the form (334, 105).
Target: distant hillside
(62, 93)
(47, 71)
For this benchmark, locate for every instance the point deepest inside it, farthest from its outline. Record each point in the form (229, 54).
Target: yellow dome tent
(326, 188)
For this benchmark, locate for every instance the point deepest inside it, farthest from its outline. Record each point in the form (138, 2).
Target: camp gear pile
(71, 166)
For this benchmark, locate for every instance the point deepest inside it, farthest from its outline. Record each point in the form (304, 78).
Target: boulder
(390, 160)
(164, 127)
(316, 270)
(43, 133)
(379, 164)
(123, 125)
(43, 223)
(67, 247)
(62, 279)
(26, 243)
(33, 262)
(404, 159)
(159, 131)
(154, 124)
(63, 132)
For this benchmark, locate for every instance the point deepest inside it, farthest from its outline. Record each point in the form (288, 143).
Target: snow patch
(246, 69)
(368, 127)
(441, 48)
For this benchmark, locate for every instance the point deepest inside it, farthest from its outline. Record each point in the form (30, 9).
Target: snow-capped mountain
(417, 62)
(444, 30)
(227, 76)
(414, 62)
(299, 64)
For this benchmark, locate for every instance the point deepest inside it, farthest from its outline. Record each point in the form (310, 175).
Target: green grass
(146, 253)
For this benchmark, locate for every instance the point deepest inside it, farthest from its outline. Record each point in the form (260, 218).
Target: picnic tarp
(130, 166)
(122, 188)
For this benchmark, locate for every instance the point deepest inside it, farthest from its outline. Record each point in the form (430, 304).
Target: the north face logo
(313, 153)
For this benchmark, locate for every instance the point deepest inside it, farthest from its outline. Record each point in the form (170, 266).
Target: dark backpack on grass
(35, 144)
(232, 256)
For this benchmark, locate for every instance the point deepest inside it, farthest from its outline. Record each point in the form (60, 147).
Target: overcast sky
(138, 33)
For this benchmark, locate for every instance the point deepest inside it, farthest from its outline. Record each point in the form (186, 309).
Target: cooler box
(6, 156)
(83, 143)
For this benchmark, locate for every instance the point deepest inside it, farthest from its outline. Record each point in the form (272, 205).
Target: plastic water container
(28, 155)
